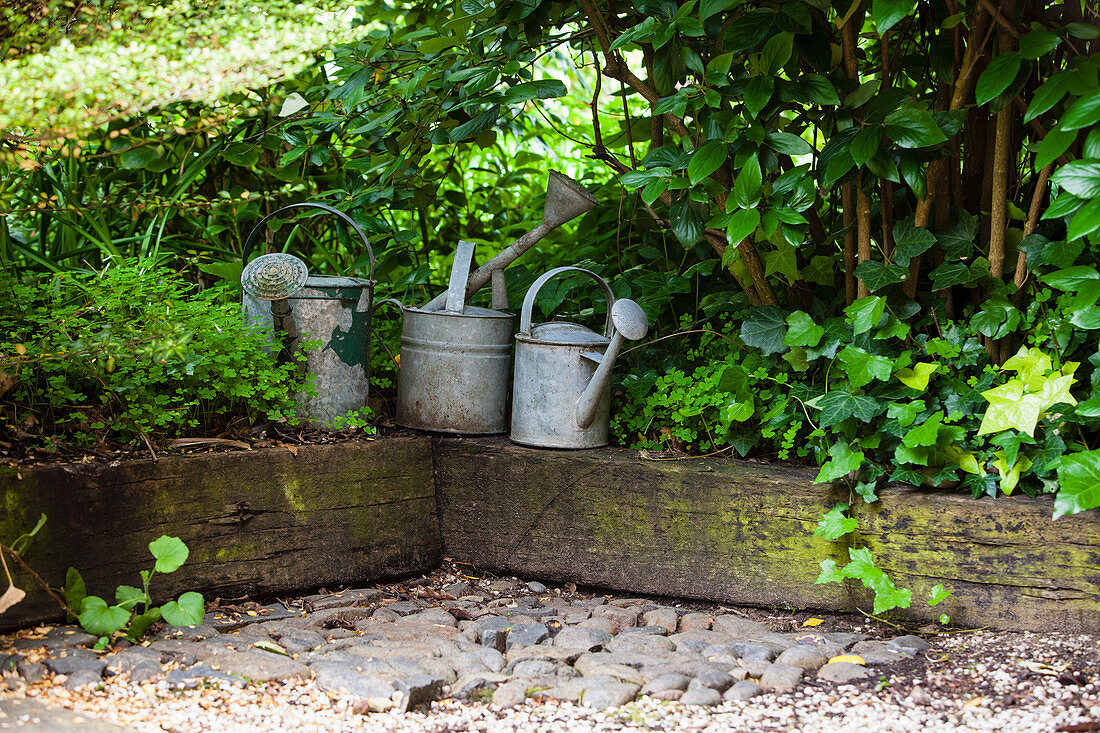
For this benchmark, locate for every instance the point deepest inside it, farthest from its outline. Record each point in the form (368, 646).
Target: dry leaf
(851, 658)
(974, 702)
(7, 381)
(11, 596)
(293, 449)
(1040, 668)
(813, 622)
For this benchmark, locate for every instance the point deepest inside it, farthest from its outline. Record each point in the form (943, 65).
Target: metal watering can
(455, 362)
(561, 396)
(303, 307)
(456, 359)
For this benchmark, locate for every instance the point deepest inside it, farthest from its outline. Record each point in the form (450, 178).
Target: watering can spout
(630, 323)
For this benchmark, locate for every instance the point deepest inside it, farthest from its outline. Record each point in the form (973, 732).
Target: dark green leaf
(764, 329)
(687, 225)
(949, 274)
(757, 93)
(1047, 95)
(776, 52)
(913, 128)
(1037, 43)
(910, 241)
(866, 143)
(785, 142)
(746, 190)
(476, 126)
(541, 89)
(877, 275)
(742, 223)
(75, 590)
(887, 13)
(630, 35)
(1080, 178)
(819, 89)
(708, 8)
(1085, 112)
(1056, 142)
(708, 158)
(839, 405)
(996, 77)
(1086, 31)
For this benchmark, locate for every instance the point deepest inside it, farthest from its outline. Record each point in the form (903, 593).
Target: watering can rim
(529, 300)
(564, 333)
(247, 248)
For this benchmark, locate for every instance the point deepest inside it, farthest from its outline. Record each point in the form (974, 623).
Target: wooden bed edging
(256, 522)
(271, 521)
(742, 532)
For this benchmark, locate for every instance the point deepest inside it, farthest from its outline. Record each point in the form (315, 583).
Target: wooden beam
(256, 522)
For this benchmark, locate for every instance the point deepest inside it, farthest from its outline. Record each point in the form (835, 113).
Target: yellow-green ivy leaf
(917, 377)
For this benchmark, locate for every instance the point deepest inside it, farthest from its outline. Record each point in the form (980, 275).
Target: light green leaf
(866, 313)
(834, 524)
(917, 377)
(1085, 112)
(938, 594)
(862, 367)
(829, 573)
(170, 553)
(100, 619)
(1011, 407)
(1078, 483)
(743, 223)
(1086, 221)
(842, 461)
(187, 611)
(746, 190)
(1082, 179)
(127, 596)
(926, 434)
(905, 413)
(1010, 475)
(802, 330)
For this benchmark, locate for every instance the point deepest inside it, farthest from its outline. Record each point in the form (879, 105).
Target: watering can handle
(460, 273)
(529, 299)
(309, 205)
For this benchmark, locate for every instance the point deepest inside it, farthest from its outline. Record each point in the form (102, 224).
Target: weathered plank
(739, 532)
(257, 522)
(717, 530)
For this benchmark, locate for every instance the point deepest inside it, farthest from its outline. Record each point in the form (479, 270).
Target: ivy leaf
(1011, 407)
(170, 553)
(829, 573)
(764, 329)
(913, 128)
(877, 275)
(926, 434)
(862, 367)
(917, 377)
(1010, 473)
(802, 330)
(949, 274)
(834, 524)
(905, 413)
(839, 404)
(866, 313)
(708, 158)
(100, 619)
(758, 92)
(910, 241)
(887, 13)
(958, 239)
(842, 461)
(187, 611)
(1078, 483)
(996, 77)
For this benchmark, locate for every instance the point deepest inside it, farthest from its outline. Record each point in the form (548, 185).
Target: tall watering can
(335, 310)
(456, 359)
(561, 396)
(455, 362)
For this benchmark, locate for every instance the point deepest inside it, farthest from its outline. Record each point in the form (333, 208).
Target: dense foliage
(865, 232)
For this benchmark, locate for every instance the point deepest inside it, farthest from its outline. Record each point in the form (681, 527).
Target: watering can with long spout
(561, 392)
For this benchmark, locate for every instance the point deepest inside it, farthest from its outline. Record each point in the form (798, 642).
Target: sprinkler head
(274, 277)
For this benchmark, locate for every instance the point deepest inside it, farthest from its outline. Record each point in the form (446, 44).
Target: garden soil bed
(276, 520)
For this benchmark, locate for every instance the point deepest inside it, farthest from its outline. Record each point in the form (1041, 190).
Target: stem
(863, 225)
(849, 242)
(38, 578)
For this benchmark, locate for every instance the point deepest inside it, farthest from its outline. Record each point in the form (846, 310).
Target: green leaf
(834, 524)
(877, 275)
(866, 313)
(687, 225)
(187, 611)
(863, 368)
(1056, 142)
(708, 8)
(910, 241)
(1011, 406)
(742, 224)
(866, 144)
(887, 13)
(1080, 178)
(170, 553)
(917, 377)
(776, 52)
(1085, 112)
(127, 596)
(862, 568)
(819, 89)
(100, 619)
(764, 329)
(137, 158)
(758, 92)
(842, 461)
(905, 413)
(75, 589)
(839, 405)
(926, 434)
(913, 128)
(140, 624)
(1078, 483)
(746, 190)
(785, 142)
(802, 330)
(541, 89)
(1085, 221)
(1086, 31)
(949, 274)
(996, 77)
(938, 594)
(708, 158)
(829, 573)
(1038, 43)
(634, 33)
(1047, 95)
(476, 126)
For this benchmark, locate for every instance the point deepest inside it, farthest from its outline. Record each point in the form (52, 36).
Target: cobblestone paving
(478, 653)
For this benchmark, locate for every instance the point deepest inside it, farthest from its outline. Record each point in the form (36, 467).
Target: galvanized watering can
(561, 396)
(455, 362)
(303, 307)
(456, 359)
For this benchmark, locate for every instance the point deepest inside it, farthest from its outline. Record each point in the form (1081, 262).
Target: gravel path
(454, 653)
